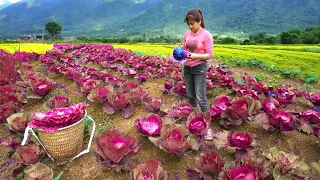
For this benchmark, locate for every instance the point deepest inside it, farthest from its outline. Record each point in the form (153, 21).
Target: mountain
(77, 17)
(247, 16)
(5, 4)
(110, 18)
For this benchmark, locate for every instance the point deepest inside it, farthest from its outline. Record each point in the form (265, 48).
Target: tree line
(310, 35)
(160, 39)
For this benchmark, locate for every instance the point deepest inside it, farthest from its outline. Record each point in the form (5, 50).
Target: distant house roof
(69, 38)
(30, 36)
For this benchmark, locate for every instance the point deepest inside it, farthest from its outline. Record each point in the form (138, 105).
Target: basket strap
(90, 141)
(26, 137)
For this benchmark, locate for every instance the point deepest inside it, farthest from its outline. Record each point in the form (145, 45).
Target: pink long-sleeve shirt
(200, 43)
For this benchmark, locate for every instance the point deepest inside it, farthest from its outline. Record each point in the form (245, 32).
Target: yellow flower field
(304, 58)
(160, 50)
(300, 57)
(27, 47)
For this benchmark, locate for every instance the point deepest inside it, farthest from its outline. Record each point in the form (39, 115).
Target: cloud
(12, 1)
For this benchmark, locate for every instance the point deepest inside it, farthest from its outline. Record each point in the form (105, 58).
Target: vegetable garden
(145, 127)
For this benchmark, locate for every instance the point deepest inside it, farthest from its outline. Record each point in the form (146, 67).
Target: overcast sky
(13, 1)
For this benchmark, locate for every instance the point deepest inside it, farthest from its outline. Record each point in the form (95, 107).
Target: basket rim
(85, 114)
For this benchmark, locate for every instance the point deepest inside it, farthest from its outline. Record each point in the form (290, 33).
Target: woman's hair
(195, 15)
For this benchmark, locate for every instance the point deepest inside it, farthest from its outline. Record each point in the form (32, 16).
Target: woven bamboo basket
(64, 144)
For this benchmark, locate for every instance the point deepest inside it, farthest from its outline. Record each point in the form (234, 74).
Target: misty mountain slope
(272, 16)
(111, 18)
(75, 16)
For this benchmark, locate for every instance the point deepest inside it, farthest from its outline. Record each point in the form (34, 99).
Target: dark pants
(195, 81)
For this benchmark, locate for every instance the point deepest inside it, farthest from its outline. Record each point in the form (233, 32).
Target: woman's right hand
(186, 54)
(180, 54)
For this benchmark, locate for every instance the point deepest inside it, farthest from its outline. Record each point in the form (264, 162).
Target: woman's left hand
(199, 56)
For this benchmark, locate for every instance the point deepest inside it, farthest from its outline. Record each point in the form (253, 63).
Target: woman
(199, 42)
